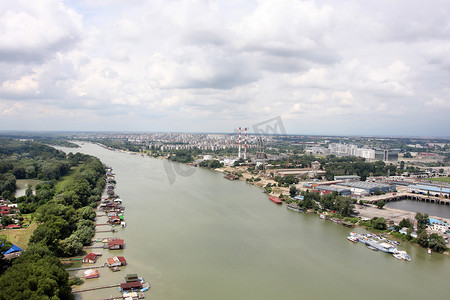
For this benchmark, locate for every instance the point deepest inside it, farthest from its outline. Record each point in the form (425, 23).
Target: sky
(320, 67)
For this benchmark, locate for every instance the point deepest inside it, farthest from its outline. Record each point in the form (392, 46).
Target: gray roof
(365, 185)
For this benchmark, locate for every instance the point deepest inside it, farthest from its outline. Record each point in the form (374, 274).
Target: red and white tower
(239, 153)
(245, 144)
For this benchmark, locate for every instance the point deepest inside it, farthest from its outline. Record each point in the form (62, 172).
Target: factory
(369, 187)
(326, 189)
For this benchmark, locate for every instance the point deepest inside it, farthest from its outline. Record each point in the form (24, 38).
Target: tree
(329, 175)
(7, 220)
(293, 191)
(422, 221)
(379, 223)
(344, 206)
(405, 223)
(407, 155)
(423, 239)
(380, 204)
(437, 243)
(36, 274)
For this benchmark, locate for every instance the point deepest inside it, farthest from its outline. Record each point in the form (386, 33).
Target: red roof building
(115, 244)
(13, 226)
(5, 210)
(117, 261)
(131, 285)
(90, 258)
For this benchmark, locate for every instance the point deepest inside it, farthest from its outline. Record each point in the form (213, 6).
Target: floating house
(90, 258)
(117, 261)
(116, 244)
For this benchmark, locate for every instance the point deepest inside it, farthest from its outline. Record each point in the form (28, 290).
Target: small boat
(144, 289)
(352, 238)
(402, 255)
(429, 251)
(294, 208)
(322, 216)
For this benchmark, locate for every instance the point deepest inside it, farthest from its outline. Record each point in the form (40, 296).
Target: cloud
(177, 65)
(34, 31)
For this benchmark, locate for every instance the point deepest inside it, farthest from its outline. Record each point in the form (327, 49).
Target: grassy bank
(20, 237)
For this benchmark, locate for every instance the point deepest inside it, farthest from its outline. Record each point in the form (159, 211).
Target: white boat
(429, 251)
(352, 238)
(402, 255)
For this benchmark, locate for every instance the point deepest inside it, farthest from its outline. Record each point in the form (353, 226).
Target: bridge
(407, 196)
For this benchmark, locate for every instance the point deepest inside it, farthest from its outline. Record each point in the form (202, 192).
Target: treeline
(120, 144)
(65, 211)
(28, 160)
(68, 215)
(184, 156)
(351, 165)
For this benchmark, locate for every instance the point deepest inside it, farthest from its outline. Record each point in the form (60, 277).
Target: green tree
(36, 274)
(293, 191)
(423, 239)
(379, 223)
(405, 223)
(380, 204)
(7, 220)
(437, 243)
(422, 221)
(407, 155)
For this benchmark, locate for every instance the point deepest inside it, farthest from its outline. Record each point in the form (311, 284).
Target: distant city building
(369, 154)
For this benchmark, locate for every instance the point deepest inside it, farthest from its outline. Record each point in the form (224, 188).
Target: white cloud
(33, 31)
(179, 64)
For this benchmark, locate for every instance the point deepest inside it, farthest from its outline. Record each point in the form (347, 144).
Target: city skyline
(359, 69)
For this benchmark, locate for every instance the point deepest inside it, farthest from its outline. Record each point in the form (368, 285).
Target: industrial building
(387, 155)
(370, 187)
(334, 188)
(348, 178)
(429, 189)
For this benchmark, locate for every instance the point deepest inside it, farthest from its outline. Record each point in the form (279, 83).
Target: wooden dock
(97, 288)
(86, 268)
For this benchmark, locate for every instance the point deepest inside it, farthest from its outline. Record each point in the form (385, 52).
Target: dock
(86, 268)
(97, 288)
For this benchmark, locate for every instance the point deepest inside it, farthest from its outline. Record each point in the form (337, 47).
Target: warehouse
(333, 188)
(370, 187)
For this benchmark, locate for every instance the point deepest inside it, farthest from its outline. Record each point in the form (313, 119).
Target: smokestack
(245, 144)
(239, 153)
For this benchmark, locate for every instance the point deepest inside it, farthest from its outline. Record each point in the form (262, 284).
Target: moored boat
(352, 238)
(275, 199)
(294, 208)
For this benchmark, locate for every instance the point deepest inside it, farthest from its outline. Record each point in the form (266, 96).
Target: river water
(204, 237)
(437, 210)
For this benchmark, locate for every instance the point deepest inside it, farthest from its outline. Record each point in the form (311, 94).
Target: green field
(443, 179)
(20, 237)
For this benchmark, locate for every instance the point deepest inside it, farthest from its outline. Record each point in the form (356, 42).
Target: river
(204, 237)
(437, 210)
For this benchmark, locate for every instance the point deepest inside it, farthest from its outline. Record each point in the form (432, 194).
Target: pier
(86, 268)
(97, 288)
